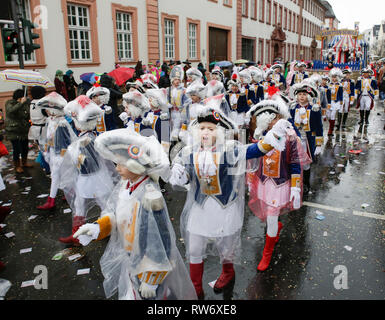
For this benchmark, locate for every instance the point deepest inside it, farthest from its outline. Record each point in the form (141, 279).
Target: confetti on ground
(320, 217)
(331, 172)
(83, 271)
(368, 173)
(67, 210)
(212, 283)
(25, 193)
(9, 234)
(32, 217)
(57, 256)
(348, 248)
(7, 204)
(74, 257)
(365, 205)
(340, 166)
(2, 225)
(325, 234)
(25, 250)
(12, 181)
(383, 173)
(12, 212)
(42, 196)
(28, 283)
(356, 162)
(355, 151)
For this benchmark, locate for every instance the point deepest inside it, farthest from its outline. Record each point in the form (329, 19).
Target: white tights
(272, 226)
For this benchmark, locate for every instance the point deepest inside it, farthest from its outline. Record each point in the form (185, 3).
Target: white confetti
(74, 256)
(32, 217)
(325, 234)
(383, 173)
(2, 225)
(9, 234)
(340, 166)
(28, 283)
(25, 250)
(365, 205)
(7, 204)
(42, 196)
(348, 248)
(67, 210)
(212, 283)
(83, 271)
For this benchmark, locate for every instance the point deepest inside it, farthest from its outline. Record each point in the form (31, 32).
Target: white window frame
(193, 43)
(169, 39)
(244, 7)
(124, 36)
(253, 4)
(79, 25)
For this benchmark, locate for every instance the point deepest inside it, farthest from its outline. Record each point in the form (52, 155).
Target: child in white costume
(59, 136)
(141, 260)
(85, 177)
(136, 105)
(212, 169)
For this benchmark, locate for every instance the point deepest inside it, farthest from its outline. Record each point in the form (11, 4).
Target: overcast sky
(367, 12)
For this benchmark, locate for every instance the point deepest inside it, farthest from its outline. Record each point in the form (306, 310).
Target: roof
(329, 13)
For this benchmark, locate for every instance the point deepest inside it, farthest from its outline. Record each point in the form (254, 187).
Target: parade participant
(246, 97)
(136, 105)
(366, 91)
(37, 131)
(290, 75)
(256, 78)
(336, 97)
(59, 137)
(177, 99)
(86, 179)
(267, 82)
(157, 118)
(215, 88)
(275, 181)
(141, 260)
(149, 81)
(193, 75)
(308, 120)
(324, 94)
(300, 74)
(232, 97)
(212, 169)
(137, 85)
(217, 74)
(100, 96)
(348, 98)
(277, 76)
(60, 86)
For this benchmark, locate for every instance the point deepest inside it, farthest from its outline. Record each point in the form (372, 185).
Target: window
(268, 20)
(289, 26)
(124, 36)
(280, 16)
(79, 32)
(244, 7)
(192, 38)
(275, 14)
(285, 19)
(261, 10)
(260, 51)
(253, 9)
(169, 39)
(227, 3)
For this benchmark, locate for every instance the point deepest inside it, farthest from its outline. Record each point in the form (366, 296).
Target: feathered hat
(149, 81)
(245, 75)
(256, 74)
(196, 88)
(141, 155)
(53, 102)
(101, 92)
(158, 98)
(233, 81)
(336, 72)
(306, 87)
(217, 70)
(177, 73)
(194, 73)
(214, 87)
(84, 112)
(347, 70)
(367, 70)
(136, 103)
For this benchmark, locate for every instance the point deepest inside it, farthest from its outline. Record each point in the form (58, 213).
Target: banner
(342, 32)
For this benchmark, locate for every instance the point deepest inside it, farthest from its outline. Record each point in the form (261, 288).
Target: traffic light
(29, 36)
(9, 41)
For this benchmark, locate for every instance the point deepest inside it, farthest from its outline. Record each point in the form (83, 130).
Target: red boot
(4, 211)
(280, 226)
(331, 127)
(267, 253)
(196, 274)
(77, 222)
(49, 205)
(226, 278)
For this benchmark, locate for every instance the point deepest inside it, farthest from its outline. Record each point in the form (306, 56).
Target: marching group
(211, 138)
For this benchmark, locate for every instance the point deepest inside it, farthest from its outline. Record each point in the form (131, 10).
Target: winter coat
(17, 119)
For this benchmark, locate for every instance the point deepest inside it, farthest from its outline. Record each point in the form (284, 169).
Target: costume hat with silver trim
(149, 81)
(194, 74)
(277, 66)
(136, 103)
(212, 113)
(233, 81)
(214, 87)
(218, 71)
(307, 87)
(367, 70)
(177, 73)
(347, 70)
(245, 75)
(84, 112)
(299, 64)
(138, 85)
(102, 92)
(275, 105)
(158, 98)
(53, 102)
(336, 72)
(196, 88)
(139, 154)
(256, 74)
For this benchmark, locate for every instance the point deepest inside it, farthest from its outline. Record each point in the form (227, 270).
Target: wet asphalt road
(303, 261)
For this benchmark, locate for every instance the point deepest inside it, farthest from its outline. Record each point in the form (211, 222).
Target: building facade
(94, 35)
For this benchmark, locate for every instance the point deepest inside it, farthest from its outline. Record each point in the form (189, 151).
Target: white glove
(124, 116)
(107, 109)
(164, 116)
(153, 199)
(295, 196)
(276, 137)
(317, 151)
(147, 121)
(87, 232)
(243, 90)
(147, 290)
